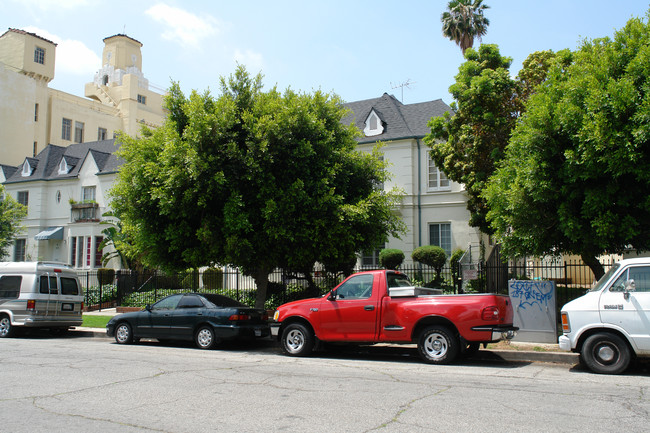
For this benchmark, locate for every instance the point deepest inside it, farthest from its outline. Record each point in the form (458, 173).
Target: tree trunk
(261, 277)
(593, 263)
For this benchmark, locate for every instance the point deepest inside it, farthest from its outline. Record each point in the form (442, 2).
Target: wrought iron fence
(131, 288)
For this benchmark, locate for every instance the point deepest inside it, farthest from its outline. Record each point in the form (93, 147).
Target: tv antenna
(406, 84)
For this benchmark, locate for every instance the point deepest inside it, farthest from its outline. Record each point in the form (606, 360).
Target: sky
(357, 49)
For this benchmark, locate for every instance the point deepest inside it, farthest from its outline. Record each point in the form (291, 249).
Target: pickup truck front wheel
(606, 353)
(297, 340)
(438, 345)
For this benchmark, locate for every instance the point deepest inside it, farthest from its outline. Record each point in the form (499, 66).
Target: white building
(433, 208)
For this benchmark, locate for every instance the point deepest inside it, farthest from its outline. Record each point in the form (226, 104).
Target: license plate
(258, 332)
(67, 307)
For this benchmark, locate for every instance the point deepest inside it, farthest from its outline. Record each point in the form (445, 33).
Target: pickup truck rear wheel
(297, 340)
(606, 353)
(438, 345)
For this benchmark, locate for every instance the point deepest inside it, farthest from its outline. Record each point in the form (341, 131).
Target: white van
(38, 294)
(610, 325)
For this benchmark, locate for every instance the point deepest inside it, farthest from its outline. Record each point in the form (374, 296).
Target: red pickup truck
(383, 307)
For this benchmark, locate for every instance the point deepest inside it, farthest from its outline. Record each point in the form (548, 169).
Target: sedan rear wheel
(123, 334)
(205, 338)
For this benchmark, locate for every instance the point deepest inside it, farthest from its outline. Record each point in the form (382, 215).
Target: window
(78, 132)
(101, 134)
(437, 179)
(370, 259)
(357, 287)
(639, 274)
(98, 251)
(73, 251)
(80, 252)
(88, 194)
(88, 242)
(35, 112)
(57, 196)
(64, 168)
(66, 128)
(168, 303)
(142, 99)
(10, 286)
(27, 169)
(19, 250)
(35, 151)
(373, 125)
(23, 198)
(39, 55)
(48, 285)
(440, 235)
(190, 301)
(69, 286)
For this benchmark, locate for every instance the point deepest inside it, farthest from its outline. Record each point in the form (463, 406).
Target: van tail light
(566, 327)
(31, 304)
(490, 313)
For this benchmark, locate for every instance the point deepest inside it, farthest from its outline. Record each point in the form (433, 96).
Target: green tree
(11, 215)
(468, 143)
(431, 255)
(465, 21)
(391, 258)
(253, 179)
(577, 169)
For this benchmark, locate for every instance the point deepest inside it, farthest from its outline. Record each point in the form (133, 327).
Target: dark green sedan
(203, 318)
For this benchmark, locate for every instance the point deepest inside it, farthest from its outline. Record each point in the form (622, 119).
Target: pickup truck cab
(383, 307)
(610, 325)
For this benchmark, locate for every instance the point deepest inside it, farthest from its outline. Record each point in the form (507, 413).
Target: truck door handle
(369, 307)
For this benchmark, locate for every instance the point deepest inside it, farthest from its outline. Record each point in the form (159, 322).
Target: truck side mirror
(629, 286)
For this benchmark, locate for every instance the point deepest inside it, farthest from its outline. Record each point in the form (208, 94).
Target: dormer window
(64, 168)
(27, 169)
(374, 125)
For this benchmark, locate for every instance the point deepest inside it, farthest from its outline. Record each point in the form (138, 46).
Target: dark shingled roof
(46, 163)
(400, 121)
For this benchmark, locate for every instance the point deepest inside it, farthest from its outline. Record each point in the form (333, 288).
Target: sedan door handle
(369, 307)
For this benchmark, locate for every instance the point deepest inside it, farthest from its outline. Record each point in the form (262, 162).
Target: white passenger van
(610, 325)
(38, 294)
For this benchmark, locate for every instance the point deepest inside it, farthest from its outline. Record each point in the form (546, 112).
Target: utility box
(533, 304)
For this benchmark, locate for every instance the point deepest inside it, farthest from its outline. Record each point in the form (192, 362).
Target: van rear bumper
(44, 322)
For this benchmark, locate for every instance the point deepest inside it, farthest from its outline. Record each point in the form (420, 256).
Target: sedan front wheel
(123, 333)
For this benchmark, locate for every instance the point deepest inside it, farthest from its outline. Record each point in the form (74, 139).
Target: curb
(483, 354)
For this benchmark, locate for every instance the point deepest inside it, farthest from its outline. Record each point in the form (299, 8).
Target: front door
(157, 323)
(352, 314)
(632, 312)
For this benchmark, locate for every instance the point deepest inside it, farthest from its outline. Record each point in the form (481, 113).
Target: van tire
(6, 330)
(606, 353)
(123, 333)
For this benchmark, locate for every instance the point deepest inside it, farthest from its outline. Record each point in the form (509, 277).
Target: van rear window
(10, 286)
(69, 286)
(49, 285)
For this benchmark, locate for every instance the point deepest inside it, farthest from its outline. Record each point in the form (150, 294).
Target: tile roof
(399, 120)
(46, 163)
(23, 32)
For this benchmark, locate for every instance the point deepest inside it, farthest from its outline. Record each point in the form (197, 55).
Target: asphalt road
(73, 384)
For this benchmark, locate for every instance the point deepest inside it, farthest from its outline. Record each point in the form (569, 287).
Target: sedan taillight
(239, 317)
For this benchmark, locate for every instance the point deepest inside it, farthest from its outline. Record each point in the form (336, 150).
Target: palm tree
(464, 21)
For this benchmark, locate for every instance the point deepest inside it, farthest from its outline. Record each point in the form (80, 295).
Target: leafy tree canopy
(11, 215)
(577, 170)
(253, 179)
(464, 21)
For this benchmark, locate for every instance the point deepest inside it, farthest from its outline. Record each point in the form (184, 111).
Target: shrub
(456, 255)
(430, 255)
(213, 279)
(105, 276)
(391, 258)
(190, 280)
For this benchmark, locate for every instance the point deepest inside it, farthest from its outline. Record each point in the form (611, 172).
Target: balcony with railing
(85, 212)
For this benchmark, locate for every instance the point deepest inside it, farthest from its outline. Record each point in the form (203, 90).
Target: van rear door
(48, 295)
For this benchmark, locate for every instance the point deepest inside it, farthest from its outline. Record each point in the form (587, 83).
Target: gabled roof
(48, 160)
(400, 121)
(8, 170)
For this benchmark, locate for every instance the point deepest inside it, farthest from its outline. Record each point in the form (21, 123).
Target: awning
(50, 233)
